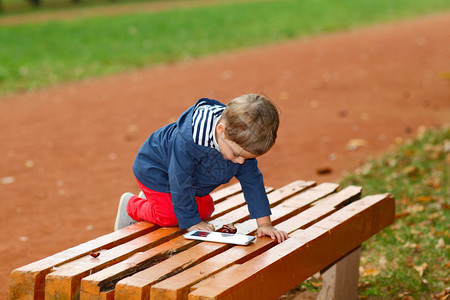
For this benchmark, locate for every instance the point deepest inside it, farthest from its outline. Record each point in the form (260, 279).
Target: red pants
(158, 207)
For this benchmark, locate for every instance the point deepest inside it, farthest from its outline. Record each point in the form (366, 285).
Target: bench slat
(241, 214)
(27, 282)
(64, 281)
(231, 203)
(263, 277)
(226, 192)
(93, 285)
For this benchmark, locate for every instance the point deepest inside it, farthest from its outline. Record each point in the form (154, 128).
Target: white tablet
(220, 237)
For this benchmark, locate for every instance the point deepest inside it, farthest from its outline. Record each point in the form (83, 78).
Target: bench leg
(340, 280)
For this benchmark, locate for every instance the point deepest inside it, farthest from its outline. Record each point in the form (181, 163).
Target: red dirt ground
(67, 150)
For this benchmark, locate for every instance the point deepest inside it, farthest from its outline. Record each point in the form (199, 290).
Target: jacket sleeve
(181, 178)
(252, 183)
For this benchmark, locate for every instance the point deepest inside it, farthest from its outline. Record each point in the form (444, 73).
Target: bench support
(340, 280)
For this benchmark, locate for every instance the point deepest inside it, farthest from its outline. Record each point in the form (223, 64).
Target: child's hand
(269, 230)
(265, 228)
(202, 226)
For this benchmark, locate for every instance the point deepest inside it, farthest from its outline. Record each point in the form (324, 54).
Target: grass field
(411, 257)
(42, 54)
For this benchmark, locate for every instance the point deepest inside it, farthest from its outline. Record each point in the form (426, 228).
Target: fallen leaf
(29, 163)
(410, 170)
(23, 238)
(8, 180)
(440, 244)
(442, 295)
(324, 170)
(382, 262)
(409, 261)
(132, 132)
(421, 268)
(354, 144)
(424, 199)
(415, 208)
(342, 113)
(402, 214)
(370, 272)
(434, 182)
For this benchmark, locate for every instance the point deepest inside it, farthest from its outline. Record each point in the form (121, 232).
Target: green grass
(42, 54)
(417, 174)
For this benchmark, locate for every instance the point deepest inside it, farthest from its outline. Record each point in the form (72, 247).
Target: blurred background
(363, 89)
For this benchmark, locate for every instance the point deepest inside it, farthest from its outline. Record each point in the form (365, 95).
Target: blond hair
(252, 123)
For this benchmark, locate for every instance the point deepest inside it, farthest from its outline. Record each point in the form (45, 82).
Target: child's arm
(265, 227)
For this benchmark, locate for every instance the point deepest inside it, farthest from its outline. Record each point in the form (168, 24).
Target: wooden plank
(177, 287)
(241, 214)
(27, 282)
(64, 281)
(336, 199)
(139, 284)
(231, 203)
(321, 209)
(94, 285)
(226, 192)
(306, 252)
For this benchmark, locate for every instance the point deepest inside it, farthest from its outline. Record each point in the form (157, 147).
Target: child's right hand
(202, 226)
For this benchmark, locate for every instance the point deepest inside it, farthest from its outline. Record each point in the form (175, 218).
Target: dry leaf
(8, 180)
(444, 295)
(370, 272)
(440, 244)
(402, 214)
(424, 199)
(382, 262)
(421, 268)
(354, 144)
(316, 284)
(410, 170)
(324, 170)
(415, 208)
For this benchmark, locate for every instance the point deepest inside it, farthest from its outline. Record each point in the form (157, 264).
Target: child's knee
(167, 221)
(205, 207)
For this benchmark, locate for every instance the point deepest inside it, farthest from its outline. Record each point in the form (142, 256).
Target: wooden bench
(326, 225)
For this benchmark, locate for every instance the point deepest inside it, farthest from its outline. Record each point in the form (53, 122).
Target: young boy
(181, 163)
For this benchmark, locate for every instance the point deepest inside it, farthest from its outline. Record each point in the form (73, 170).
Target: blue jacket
(170, 161)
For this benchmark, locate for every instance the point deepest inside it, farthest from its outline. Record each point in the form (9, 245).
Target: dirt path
(67, 150)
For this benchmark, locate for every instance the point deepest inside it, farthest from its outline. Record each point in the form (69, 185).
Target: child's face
(232, 151)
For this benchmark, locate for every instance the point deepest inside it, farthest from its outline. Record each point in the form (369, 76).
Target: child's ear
(220, 128)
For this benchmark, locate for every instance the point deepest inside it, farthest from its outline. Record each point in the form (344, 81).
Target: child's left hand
(269, 230)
